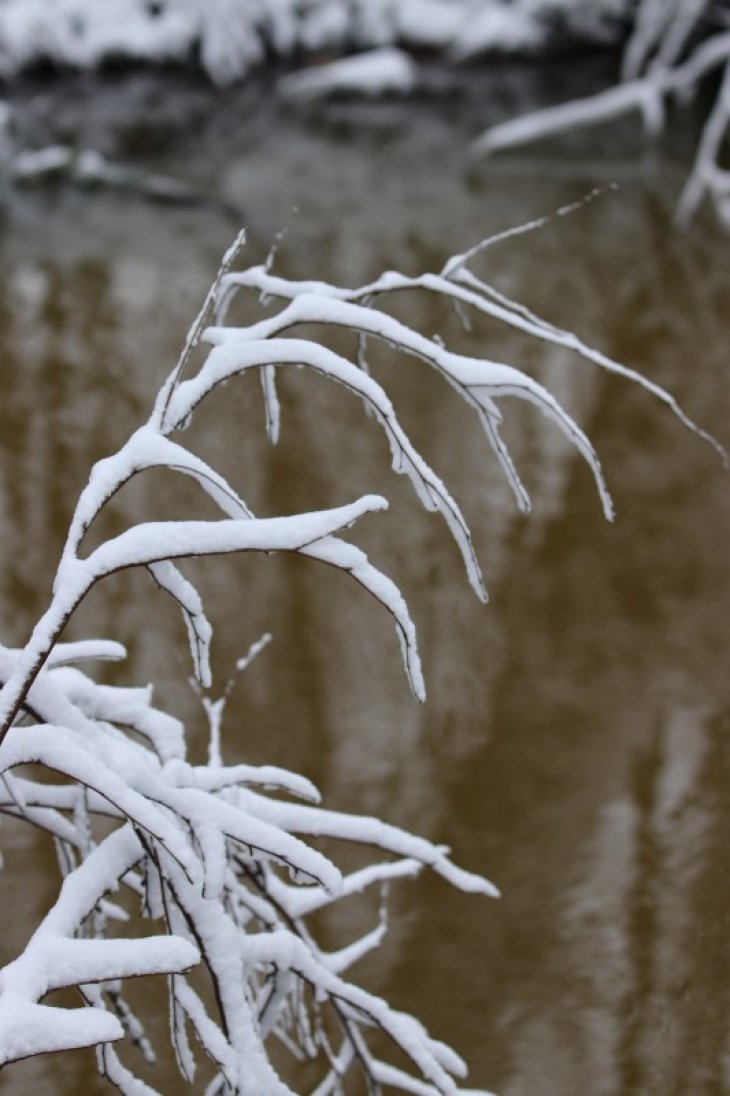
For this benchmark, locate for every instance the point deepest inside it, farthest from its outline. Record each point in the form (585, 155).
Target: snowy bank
(229, 37)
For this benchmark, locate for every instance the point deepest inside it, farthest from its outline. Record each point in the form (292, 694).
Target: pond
(573, 746)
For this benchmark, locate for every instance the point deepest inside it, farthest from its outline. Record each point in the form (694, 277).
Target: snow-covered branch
(226, 860)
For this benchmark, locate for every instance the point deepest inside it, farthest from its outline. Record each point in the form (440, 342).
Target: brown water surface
(574, 744)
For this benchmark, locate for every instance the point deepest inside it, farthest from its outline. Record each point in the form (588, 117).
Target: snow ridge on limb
(476, 380)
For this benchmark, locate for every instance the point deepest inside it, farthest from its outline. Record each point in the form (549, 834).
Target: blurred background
(573, 746)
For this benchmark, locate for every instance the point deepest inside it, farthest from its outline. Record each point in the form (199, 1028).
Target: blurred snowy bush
(676, 48)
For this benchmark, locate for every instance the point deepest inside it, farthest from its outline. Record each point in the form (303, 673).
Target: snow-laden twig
(458, 284)
(707, 176)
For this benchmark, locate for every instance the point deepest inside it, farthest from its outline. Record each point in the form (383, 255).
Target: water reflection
(573, 744)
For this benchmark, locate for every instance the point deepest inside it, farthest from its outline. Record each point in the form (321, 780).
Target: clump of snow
(377, 72)
(40, 163)
(498, 27)
(431, 24)
(83, 33)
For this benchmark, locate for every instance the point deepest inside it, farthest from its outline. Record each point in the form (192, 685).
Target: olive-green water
(575, 742)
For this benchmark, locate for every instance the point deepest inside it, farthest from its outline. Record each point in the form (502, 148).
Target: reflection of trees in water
(602, 732)
(641, 949)
(630, 919)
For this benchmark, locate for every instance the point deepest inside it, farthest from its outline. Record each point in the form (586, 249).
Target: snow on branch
(57, 956)
(225, 859)
(458, 283)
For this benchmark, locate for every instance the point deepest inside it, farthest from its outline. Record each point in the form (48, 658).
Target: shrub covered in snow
(676, 47)
(223, 860)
